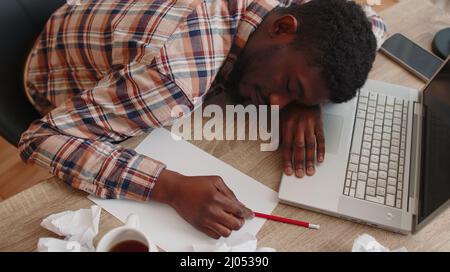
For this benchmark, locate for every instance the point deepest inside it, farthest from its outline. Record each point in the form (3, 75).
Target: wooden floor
(16, 176)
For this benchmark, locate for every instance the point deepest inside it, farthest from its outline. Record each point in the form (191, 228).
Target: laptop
(387, 160)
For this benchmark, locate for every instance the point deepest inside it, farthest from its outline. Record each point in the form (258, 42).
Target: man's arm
(75, 140)
(76, 143)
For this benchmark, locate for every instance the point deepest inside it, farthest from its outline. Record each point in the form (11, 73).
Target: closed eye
(301, 90)
(296, 92)
(292, 93)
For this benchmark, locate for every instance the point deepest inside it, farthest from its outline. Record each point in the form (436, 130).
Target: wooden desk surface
(417, 19)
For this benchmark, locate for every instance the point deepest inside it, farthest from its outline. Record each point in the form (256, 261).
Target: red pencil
(287, 220)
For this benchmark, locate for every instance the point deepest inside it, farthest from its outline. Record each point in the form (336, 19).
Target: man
(104, 71)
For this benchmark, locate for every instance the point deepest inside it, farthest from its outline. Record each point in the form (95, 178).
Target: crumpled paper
(242, 242)
(366, 243)
(79, 228)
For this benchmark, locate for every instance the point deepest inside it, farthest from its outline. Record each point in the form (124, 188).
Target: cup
(127, 238)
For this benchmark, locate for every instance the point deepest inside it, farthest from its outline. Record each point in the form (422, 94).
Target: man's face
(272, 71)
(277, 76)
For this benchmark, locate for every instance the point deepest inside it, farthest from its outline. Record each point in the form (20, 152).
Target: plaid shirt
(110, 70)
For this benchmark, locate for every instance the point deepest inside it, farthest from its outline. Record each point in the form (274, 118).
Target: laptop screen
(435, 183)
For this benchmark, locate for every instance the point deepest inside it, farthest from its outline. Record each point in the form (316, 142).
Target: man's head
(312, 53)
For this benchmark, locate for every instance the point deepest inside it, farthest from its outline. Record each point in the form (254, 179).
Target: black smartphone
(411, 56)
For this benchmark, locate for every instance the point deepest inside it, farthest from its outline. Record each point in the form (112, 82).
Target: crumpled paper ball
(366, 243)
(78, 227)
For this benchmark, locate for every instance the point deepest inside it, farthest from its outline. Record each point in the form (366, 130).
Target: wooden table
(417, 19)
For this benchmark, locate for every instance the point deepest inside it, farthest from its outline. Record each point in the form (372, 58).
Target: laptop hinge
(415, 161)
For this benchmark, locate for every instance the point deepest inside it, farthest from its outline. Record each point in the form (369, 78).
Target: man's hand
(204, 201)
(302, 135)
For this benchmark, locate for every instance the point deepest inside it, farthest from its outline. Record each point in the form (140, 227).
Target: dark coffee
(129, 246)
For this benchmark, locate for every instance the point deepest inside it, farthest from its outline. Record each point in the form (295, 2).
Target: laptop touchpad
(332, 126)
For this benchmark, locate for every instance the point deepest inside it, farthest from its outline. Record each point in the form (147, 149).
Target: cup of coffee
(128, 238)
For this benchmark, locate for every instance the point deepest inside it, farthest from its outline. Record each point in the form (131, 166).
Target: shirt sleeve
(379, 28)
(76, 140)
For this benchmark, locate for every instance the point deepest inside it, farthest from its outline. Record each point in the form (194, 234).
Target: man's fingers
(225, 189)
(248, 213)
(230, 221)
(287, 137)
(219, 229)
(310, 140)
(299, 152)
(210, 233)
(303, 140)
(244, 211)
(320, 139)
(236, 208)
(239, 209)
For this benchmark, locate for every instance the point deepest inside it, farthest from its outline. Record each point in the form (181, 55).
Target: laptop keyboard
(376, 165)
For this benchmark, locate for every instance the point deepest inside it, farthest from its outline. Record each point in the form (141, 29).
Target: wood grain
(15, 175)
(22, 213)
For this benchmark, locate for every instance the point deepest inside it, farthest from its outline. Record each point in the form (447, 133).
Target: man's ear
(285, 24)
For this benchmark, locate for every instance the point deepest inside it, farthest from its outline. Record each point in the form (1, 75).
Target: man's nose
(280, 100)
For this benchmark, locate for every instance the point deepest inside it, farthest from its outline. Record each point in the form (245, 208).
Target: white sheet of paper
(160, 222)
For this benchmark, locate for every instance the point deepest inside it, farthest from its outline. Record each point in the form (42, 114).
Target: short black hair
(338, 38)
